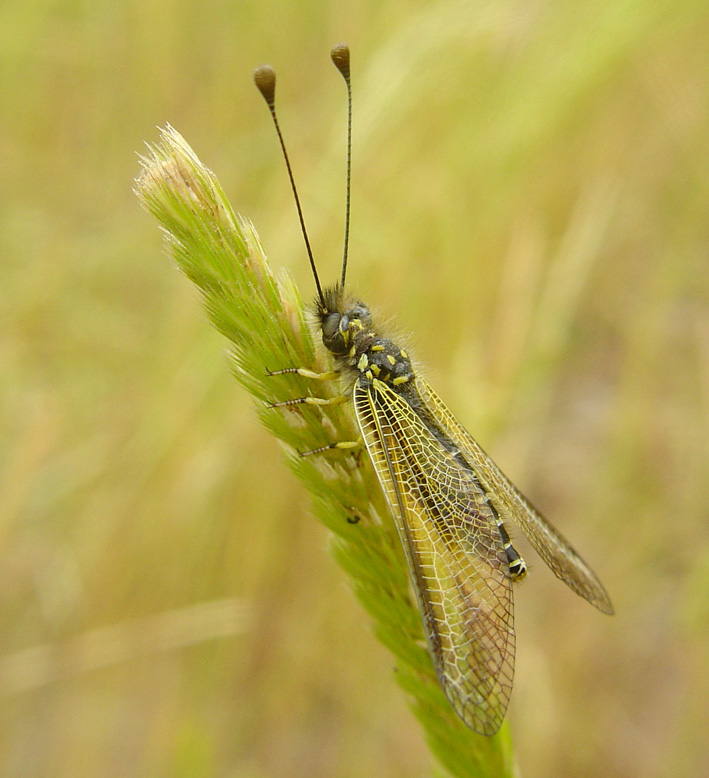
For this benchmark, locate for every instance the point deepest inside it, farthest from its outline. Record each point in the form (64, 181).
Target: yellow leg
(339, 400)
(301, 371)
(342, 445)
(306, 373)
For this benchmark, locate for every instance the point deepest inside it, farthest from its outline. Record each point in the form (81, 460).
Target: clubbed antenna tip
(265, 80)
(341, 57)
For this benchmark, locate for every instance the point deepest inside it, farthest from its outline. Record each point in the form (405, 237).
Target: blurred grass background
(530, 199)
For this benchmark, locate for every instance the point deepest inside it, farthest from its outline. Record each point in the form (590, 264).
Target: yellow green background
(530, 205)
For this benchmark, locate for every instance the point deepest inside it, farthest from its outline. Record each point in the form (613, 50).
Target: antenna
(265, 80)
(341, 57)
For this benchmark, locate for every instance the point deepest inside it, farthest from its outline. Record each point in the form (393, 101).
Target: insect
(449, 500)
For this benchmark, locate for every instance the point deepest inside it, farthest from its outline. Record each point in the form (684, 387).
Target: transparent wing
(548, 542)
(455, 553)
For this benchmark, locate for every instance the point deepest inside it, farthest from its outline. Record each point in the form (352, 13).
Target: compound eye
(361, 312)
(330, 324)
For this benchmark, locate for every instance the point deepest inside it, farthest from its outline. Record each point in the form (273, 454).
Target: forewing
(455, 554)
(510, 503)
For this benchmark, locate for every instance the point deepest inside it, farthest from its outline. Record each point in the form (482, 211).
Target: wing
(548, 542)
(455, 553)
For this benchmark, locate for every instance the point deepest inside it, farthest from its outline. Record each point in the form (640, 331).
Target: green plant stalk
(266, 323)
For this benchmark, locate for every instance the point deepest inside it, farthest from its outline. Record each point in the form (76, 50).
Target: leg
(341, 445)
(306, 373)
(318, 401)
(301, 371)
(339, 400)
